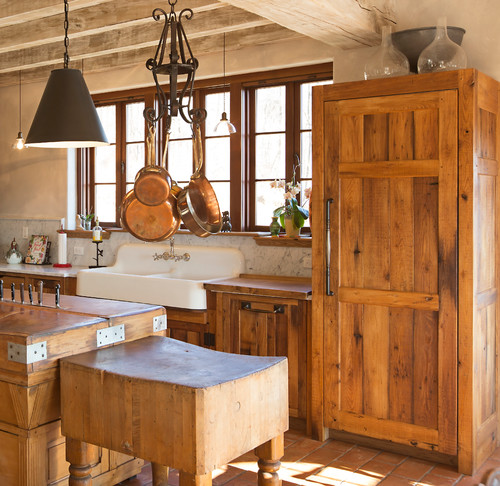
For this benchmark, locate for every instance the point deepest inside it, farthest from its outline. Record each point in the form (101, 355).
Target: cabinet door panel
(393, 181)
(264, 326)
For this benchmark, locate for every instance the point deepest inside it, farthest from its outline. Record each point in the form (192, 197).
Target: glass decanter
(387, 61)
(442, 54)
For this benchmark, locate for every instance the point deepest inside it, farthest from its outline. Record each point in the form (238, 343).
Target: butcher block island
(32, 340)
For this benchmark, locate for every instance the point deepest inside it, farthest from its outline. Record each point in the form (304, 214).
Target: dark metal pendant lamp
(179, 64)
(66, 116)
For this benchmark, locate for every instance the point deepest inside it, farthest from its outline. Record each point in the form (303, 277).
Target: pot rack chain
(66, 38)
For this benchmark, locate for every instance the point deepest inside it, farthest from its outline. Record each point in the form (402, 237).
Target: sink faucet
(171, 255)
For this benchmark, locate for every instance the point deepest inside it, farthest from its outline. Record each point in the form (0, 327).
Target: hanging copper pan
(197, 203)
(151, 223)
(152, 182)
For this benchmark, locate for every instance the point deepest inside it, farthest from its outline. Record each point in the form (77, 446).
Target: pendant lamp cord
(224, 71)
(66, 38)
(20, 101)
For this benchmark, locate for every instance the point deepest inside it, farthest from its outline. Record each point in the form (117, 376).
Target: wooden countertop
(289, 287)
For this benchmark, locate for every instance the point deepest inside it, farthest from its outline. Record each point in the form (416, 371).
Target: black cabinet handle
(278, 309)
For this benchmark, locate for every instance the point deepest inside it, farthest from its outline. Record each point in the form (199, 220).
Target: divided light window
(276, 124)
(111, 170)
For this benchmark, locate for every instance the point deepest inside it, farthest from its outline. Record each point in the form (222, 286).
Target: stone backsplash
(262, 260)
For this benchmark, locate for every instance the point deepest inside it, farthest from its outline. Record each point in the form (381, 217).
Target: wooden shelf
(302, 242)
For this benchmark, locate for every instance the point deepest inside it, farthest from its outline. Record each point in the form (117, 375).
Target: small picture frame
(37, 249)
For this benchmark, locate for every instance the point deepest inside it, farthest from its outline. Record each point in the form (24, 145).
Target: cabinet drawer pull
(278, 309)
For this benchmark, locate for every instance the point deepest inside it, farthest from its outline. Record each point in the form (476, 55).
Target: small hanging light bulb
(19, 143)
(224, 127)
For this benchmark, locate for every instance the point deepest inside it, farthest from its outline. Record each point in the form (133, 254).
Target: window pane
(135, 159)
(222, 192)
(135, 122)
(217, 158)
(128, 187)
(304, 185)
(107, 115)
(306, 103)
(179, 128)
(270, 156)
(105, 206)
(267, 200)
(214, 104)
(305, 155)
(105, 164)
(180, 159)
(270, 109)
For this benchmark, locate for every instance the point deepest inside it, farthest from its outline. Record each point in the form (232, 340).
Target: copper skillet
(151, 223)
(152, 182)
(197, 203)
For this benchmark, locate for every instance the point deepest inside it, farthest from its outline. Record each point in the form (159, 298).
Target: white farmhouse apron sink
(137, 277)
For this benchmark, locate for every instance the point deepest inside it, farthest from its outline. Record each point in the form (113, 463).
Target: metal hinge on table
(28, 354)
(209, 339)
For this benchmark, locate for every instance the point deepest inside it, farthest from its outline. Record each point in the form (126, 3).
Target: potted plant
(291, 215)
(86, 220)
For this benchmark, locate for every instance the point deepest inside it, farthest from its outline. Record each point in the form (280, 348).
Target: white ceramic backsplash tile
(264, 260)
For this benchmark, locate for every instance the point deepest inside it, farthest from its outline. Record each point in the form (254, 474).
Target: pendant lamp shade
(66, 116)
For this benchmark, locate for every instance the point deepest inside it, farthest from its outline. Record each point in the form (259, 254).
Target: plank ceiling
(109, 34)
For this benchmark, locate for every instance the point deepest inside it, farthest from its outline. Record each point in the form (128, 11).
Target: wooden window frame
(242, 155)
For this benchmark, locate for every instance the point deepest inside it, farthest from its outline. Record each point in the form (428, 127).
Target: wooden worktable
(32, 340)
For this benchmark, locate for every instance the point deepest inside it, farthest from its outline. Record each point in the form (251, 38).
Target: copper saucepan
(197, 203)
(151, 223)
(152, 182)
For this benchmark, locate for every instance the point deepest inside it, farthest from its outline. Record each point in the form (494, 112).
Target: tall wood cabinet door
(390, 369)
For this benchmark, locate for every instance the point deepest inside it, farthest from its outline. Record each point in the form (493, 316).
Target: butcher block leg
(269, 455)
(160, 474)
(81, 456)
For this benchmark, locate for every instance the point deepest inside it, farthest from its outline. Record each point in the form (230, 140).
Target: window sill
(301, 242)
(81, 233)
(261, 239)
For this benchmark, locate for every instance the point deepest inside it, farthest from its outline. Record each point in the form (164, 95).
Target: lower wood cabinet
(67, 284)
(267, 325)
(190, 326)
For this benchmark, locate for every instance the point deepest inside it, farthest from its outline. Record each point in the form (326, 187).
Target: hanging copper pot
(152, 182)
(197, 203)
(151, 223)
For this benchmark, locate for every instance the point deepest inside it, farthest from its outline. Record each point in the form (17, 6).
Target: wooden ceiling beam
(137, 57)
(204, 24)
(21, 11)
(112, 15)
(339, 23)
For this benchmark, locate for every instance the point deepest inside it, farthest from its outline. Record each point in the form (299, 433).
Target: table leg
(188, 479)
(160, 474)
(80, 456)
(269, 455)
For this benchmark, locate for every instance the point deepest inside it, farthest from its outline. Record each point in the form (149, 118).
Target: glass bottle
(387, 61)
(97, 231)
(442, 54)
(274, 227)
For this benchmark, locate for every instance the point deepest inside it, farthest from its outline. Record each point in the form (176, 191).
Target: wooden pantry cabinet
(405, 197)
(267, 316)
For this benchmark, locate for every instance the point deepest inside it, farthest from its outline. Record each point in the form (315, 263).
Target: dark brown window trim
(240, 172)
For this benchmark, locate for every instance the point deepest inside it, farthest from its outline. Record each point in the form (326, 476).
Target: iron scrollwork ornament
(182, 62)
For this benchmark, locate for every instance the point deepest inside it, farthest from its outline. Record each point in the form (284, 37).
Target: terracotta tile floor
(309, 462)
